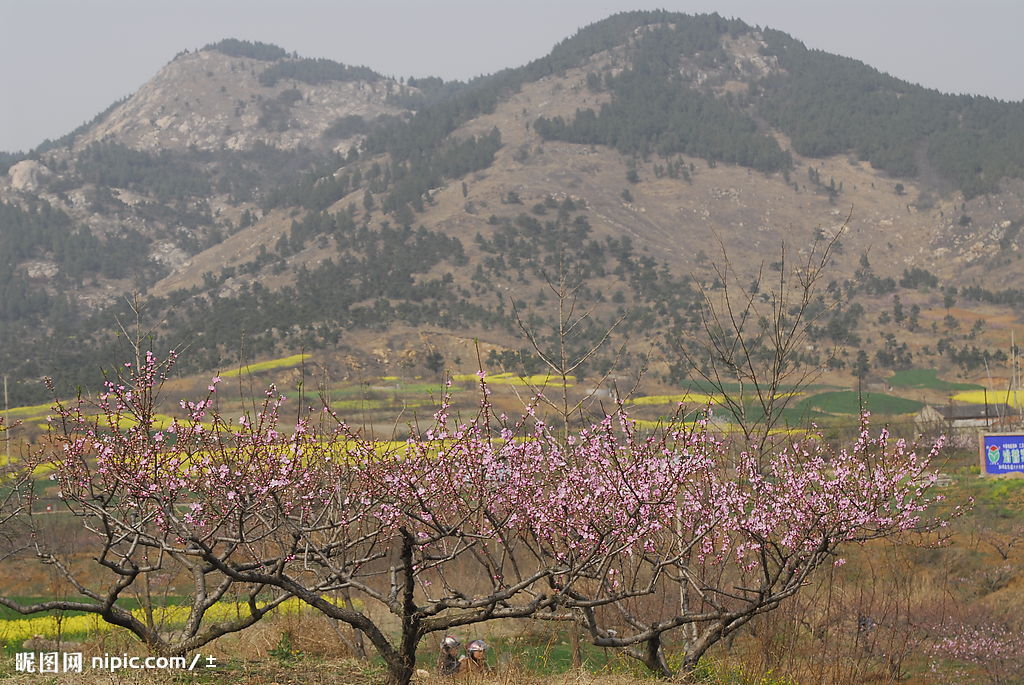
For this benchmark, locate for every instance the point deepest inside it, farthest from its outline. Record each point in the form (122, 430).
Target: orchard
(472, 519)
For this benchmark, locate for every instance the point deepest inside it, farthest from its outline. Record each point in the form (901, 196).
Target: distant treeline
(315, 71)
(232, 47)
(291, 66)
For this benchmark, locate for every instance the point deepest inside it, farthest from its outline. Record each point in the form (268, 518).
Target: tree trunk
(654, 658)
(399, 674)
(702, 644)
(357, 635)
(577, 658)
(410, 617)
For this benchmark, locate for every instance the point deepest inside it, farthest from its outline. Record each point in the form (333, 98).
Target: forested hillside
(825, 104)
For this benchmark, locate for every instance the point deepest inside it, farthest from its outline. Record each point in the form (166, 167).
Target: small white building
(966, 416)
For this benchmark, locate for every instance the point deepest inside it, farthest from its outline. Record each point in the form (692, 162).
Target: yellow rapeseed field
(536, 380)
(1014, 398)
(19, 629)
(687, 398)
(281, 363)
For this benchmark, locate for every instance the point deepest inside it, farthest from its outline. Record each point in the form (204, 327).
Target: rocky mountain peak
(209, 100)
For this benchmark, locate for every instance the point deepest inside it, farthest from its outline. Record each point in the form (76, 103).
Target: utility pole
(7, 423)
(1015, 379)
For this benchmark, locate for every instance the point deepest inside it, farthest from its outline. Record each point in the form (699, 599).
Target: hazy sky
(62, 61)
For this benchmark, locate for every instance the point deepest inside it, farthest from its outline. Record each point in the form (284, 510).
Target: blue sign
(1003, 454)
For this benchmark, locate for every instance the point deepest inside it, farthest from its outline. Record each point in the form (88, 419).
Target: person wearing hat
(448, 661)
(475, 660)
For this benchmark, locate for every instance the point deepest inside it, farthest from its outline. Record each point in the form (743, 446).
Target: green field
(848, 402)
(926, 378)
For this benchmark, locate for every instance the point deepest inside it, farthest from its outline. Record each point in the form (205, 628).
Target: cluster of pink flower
(604, 488)
(990, 650)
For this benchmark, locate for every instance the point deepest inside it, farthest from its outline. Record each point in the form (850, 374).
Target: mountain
(249, 201)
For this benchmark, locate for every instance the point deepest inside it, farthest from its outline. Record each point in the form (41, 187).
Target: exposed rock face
(40, 268)
(28, 176)
(209, 100)
(169, 255)
(748, 63)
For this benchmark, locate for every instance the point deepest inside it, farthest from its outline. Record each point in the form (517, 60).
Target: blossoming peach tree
(747, 534)
(632, 534)
(121, 478)
(980, 649)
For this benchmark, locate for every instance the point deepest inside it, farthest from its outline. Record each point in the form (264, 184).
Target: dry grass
(330, 672)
